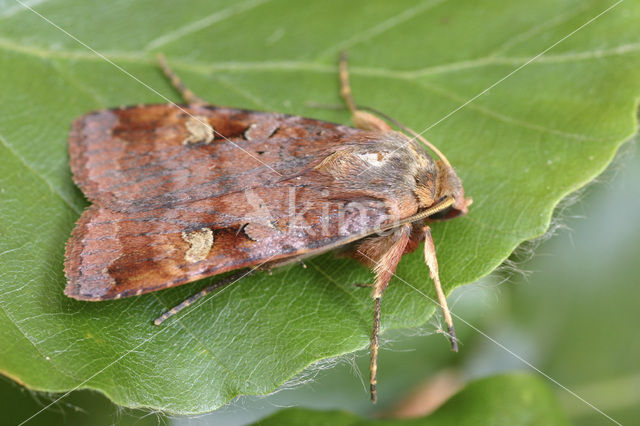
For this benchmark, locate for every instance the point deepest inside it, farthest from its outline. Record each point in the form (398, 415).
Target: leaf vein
(504, 117)
(203, 23)
(38, 174)
(535, 29)
(77, 83)
(381, 28)
(340, 287)
(200, 342)
(12, 11)
(35, 346)
(285, 65)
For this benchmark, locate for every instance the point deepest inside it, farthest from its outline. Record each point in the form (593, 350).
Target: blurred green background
(574, 315)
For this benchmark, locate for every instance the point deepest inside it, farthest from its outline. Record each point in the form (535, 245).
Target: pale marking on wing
(199, 130)
(200, 243)
(376, 159)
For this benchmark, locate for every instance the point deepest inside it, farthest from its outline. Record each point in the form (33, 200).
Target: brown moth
(181, 193)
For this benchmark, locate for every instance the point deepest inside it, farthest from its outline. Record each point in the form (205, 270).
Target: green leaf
(509, 399)
(78, 409)
(547, 128)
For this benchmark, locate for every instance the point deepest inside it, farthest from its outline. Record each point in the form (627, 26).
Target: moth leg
(384, 254)
(361, 119)
(188, 96)
(199, 295)
(432, 262)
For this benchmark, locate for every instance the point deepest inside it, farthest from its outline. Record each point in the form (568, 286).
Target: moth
(184, 192)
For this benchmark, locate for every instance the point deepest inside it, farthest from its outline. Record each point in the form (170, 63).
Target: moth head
(449, 185)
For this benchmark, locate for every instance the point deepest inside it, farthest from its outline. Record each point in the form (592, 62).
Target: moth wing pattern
(148, 156)
(175, 201)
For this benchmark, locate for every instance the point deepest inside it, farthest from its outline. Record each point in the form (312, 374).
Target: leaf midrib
(140, 57)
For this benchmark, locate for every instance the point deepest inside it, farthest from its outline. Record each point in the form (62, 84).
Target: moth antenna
(345, 87)
(432, 262)
(361, 119)
(408, 130)
(199, 295)
(187, 95)
(438, 207)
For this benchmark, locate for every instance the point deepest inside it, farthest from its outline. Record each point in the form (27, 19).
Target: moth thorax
(425, 190)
